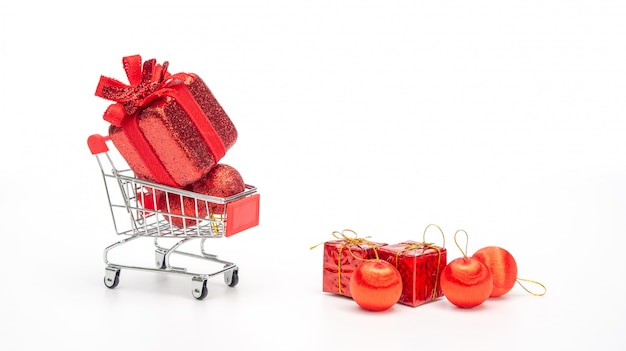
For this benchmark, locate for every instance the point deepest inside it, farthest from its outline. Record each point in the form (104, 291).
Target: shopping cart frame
(144, 209)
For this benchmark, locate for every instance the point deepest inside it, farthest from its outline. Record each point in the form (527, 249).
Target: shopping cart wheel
(199, 290)
(231, 277)
(160, 261)
(111, 277)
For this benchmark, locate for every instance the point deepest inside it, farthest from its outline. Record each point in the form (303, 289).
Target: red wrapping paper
(420, 266)
(169, 128)
(341, 258)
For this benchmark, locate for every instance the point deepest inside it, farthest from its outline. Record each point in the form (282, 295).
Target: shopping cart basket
(143, 209)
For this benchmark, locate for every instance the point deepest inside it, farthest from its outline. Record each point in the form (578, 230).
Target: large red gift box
(168, 127)
(420, 266)
(341, 258)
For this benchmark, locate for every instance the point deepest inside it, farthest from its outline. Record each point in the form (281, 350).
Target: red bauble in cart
(502, 266)
(376, 285)
(466, 282)
(178, 206)
(222, 181)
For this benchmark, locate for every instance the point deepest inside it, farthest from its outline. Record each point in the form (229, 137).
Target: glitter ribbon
(144, 81)
(148, 83)
(347, 241)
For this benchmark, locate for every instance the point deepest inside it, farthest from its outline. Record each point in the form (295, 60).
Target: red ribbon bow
(146, 84)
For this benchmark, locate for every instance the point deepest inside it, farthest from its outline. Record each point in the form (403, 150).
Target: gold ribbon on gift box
(424, 244)
(347, 241)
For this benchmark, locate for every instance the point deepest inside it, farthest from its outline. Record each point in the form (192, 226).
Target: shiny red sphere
(222, 181)
(466, 282)
(179, 206)
(376, 285)
(502, 266)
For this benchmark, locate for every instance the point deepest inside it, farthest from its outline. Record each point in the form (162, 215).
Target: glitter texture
(185, 207)
(222, 181)
(169, 128)
(174, 137)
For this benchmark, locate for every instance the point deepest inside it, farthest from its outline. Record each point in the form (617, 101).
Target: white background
(502, 118)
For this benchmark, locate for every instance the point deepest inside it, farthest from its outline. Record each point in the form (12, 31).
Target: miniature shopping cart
(143, 209)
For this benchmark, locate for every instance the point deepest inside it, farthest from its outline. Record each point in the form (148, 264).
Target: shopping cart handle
(97, 143)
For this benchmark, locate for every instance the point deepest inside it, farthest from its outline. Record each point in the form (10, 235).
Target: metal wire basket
(140, 208)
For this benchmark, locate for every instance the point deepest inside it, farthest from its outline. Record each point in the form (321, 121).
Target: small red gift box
(168, 127)
(420, 266)
(341, 258)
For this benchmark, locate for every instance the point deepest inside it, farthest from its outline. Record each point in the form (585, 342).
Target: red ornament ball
(222, 181)
(179, 206)
(466, 282)
(502, 266)
(376, 285)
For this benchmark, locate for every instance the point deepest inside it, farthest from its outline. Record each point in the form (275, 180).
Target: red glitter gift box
(168, 127)
(341, 258)
(420, 266)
